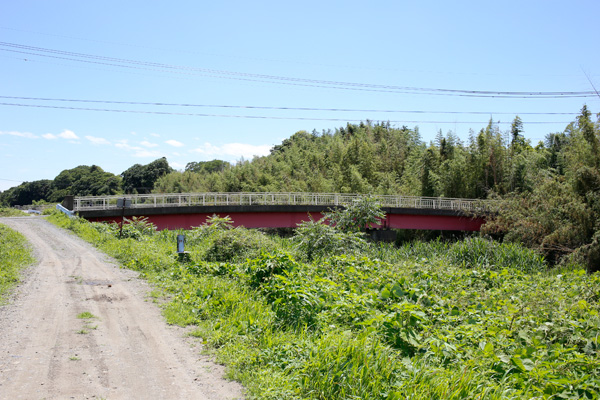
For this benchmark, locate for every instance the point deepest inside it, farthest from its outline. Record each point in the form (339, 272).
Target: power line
(274, 79)
(280, 108)
(250, 116)
(141, 46)
(591, 83)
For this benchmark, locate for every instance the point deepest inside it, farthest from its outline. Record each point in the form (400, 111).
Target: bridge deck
(273, 199)
(270, 210)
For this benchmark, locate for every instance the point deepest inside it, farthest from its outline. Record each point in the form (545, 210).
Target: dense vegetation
(14, 255)
(87, 181)
(550, 193)
(470, 319)
(11, 212)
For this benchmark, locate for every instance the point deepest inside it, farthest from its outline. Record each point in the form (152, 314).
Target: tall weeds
(465, 320)
(14, 255)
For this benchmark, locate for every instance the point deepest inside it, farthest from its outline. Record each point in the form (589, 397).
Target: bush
(315, 240)
(237, 244)
(261, 269)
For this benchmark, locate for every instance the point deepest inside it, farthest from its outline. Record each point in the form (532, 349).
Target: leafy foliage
(316, 239)
(559, 213)
(80, 181)
(358, 216)
(84, 181)
(428, 320)
(141, 178)
(549, 192)
(11, 212)
(207, 166)
(236, 244)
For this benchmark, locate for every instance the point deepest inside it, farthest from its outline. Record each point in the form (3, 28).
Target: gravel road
(126, 352)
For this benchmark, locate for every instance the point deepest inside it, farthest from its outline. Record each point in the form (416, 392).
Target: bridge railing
(249, 199)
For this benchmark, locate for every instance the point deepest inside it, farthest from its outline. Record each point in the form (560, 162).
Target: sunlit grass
(14, 256)
(469, 319)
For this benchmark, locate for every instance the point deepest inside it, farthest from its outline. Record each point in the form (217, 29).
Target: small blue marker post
(181, 253)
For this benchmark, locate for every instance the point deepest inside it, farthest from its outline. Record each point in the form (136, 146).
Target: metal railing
(248, 199)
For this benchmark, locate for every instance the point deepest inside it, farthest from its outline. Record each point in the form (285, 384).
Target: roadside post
(123, 203)
(181, 253)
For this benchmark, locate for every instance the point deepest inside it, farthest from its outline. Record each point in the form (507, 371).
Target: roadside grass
(11, 212)
(472, 319)
(15, 254)
(86, 315)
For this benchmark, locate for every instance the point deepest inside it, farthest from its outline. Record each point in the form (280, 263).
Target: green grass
(15, 254)
(86, 315)
(11, 212)
(472, 319)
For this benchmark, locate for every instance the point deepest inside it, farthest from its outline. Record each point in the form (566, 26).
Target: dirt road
(126, 352)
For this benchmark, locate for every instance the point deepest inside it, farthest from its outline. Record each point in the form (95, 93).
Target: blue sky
(371, 59)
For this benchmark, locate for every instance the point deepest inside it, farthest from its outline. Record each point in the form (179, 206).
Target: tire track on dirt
(126, 352)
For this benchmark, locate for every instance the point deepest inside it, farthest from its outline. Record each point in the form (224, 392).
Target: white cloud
(97, 140)
(234, 150)
(19, 134)
(136, 150)
(208, 149)
(155, 134)
(177, 165)
(174, 143)
(142, 153)
(145, 143)
(67, 134)
(124, 144)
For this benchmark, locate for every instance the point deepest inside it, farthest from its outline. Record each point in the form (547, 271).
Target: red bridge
(278, 210)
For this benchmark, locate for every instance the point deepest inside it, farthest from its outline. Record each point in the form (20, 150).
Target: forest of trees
(550, 191)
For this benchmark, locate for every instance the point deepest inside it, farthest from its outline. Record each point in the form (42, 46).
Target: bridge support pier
(382, 235)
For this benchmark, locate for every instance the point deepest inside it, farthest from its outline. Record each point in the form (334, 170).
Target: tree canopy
(549, 193)
(79, 181)
(141, 178)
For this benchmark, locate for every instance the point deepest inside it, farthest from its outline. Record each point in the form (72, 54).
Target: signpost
(181, 253)
(123, 203)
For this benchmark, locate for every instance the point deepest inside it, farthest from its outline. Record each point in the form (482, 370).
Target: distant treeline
(550, 191)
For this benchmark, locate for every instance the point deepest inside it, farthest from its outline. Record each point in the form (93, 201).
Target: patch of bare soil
(126, 351)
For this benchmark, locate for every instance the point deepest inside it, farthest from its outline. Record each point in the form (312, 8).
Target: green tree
(207, 166)
(141, 178)
(361, 214)
(26, 193)
(430, 165)
(518, 141)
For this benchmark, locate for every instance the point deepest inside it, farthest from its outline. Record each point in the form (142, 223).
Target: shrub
(315, 239)
(237, 244)
(261, 269)
(357, 216)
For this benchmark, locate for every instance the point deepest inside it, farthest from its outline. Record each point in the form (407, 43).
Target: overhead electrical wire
(279, 108)
(274, 79)
(249, 116)
(266, 59)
